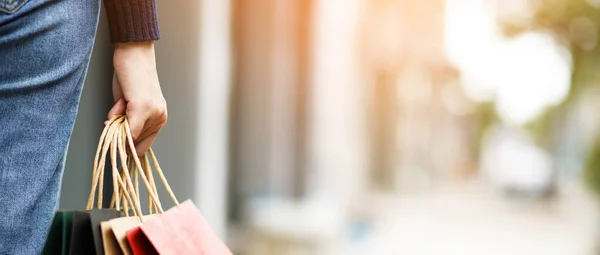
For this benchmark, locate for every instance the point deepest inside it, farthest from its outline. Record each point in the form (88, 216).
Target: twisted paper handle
(115, 137)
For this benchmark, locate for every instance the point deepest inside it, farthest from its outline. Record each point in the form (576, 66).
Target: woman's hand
(136, 90)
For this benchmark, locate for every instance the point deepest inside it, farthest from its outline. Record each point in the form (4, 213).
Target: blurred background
(375, 126)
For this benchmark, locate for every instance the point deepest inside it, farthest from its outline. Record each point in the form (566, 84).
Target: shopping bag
(140, 243)
(182, 230)
(97, 217)
(109, 241)
(120, 226)
(86, 236)
(82, 239)
(59, 236)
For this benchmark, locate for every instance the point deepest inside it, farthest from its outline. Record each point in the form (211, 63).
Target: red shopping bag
(180, 230)
(139, 243)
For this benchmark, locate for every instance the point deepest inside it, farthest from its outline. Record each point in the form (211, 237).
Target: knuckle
(164, 117)
(147, 105)
(161, 111)
(155, 109)
(153, 105)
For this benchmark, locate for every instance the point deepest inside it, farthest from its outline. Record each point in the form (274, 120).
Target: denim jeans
(45, 47)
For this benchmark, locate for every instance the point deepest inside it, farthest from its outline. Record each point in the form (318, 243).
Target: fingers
(150, 128)
(142, 146)
(145, 121)
(137, 120)
(118, 108)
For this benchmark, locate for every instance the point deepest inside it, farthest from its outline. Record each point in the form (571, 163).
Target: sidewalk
(479, 221)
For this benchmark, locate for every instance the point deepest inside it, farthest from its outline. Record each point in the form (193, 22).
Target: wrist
(134, 45)
(134, 52)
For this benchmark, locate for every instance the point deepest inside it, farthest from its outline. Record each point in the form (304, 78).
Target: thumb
(118, 108)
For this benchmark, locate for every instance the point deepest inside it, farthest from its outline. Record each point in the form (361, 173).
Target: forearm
(133, 28)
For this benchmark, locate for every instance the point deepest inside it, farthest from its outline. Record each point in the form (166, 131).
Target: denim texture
(45, 47)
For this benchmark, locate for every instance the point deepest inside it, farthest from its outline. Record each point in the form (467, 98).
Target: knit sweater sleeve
(132, 20)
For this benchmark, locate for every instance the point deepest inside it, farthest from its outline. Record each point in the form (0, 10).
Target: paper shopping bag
(120, 226)
(109, 241)
(72, 232)
(82, 239)
(86, 236)
(140, 245)
(183, 230)
(59, 236)
(96, 219)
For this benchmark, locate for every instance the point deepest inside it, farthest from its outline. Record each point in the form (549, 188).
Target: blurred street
(474, 219)
(469, 219)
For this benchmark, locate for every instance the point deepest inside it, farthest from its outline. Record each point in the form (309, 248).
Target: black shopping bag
(96, 219)
(59, 236)
(77, 232)
(86, 235)
(82, 239)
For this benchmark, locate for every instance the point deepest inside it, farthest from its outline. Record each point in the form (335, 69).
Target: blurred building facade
(418, 114)
(337, 100)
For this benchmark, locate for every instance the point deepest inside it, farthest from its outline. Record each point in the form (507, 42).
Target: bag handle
(105, 144)
(150, 186)
(115, 137)
(99, 161)
(134, 172)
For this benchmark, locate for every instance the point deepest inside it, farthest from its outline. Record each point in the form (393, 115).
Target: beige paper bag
(111, 246)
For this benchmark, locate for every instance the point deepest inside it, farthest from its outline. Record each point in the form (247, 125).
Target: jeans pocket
(11, 6)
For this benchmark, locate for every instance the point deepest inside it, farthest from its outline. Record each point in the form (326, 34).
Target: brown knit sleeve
(132, 20)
